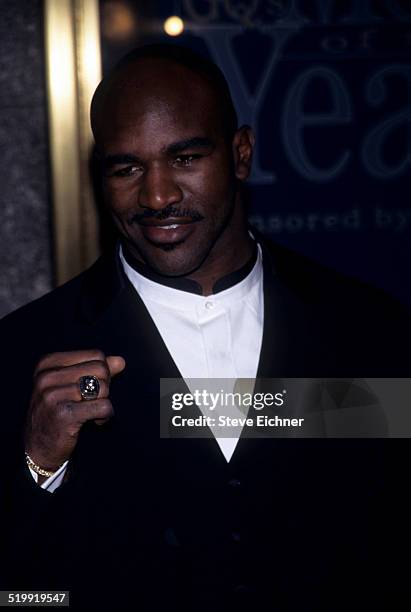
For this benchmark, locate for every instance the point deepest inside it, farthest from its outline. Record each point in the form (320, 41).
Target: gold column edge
(73, 69)
(89, 74)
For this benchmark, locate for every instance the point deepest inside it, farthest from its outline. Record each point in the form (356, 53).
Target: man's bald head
(164, 68)
(172, 162)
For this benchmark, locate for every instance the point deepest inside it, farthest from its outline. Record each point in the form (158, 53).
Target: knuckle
(49, 396)
(43, 380)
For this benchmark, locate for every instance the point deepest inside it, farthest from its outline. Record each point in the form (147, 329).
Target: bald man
(99, 504)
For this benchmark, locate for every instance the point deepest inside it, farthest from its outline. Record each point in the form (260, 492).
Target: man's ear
(243, 144)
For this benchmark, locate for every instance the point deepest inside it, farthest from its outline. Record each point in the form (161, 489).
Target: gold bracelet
(36, 468)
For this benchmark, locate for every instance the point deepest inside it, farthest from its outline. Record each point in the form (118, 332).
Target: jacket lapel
(121, 322)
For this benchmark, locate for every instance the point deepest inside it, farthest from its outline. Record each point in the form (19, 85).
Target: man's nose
(159, 189)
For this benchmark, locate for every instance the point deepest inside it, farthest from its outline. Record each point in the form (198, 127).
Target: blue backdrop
(326, 86)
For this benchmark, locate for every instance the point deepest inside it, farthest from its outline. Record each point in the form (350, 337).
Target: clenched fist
(57, 410)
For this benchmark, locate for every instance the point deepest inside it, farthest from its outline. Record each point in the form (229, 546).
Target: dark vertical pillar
(25, 236)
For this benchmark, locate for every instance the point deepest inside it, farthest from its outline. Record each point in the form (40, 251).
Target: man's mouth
(168, 231)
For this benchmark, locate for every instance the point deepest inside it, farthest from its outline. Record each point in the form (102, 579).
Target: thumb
(116, 364)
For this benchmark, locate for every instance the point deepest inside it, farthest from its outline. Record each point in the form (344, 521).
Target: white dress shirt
(214, 336)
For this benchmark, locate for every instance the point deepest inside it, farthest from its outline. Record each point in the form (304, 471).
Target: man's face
(170, 175)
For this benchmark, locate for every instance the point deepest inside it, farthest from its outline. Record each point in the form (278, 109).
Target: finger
(91, 410)
(116, 364)
(58, 396)
(60, 360)
(54, 377)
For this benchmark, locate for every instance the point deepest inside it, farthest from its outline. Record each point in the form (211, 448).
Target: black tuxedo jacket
(143, 522)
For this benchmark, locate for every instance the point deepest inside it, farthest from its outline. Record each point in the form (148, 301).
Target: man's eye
(128, 171)
(185, 160)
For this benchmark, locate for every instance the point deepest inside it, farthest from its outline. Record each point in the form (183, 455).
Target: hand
(57, 411)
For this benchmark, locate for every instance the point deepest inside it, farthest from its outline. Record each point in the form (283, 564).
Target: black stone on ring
(89, 387)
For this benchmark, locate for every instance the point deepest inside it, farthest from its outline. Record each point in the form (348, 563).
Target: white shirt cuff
(53, 482)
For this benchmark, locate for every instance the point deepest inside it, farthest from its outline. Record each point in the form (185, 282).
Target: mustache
(167, 212)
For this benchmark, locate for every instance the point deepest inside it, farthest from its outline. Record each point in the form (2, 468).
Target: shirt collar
(188, 284)
(228, 289)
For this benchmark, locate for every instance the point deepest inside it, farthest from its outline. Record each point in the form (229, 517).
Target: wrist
(41, 471)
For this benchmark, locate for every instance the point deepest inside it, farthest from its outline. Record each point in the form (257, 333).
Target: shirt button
(209, 305)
